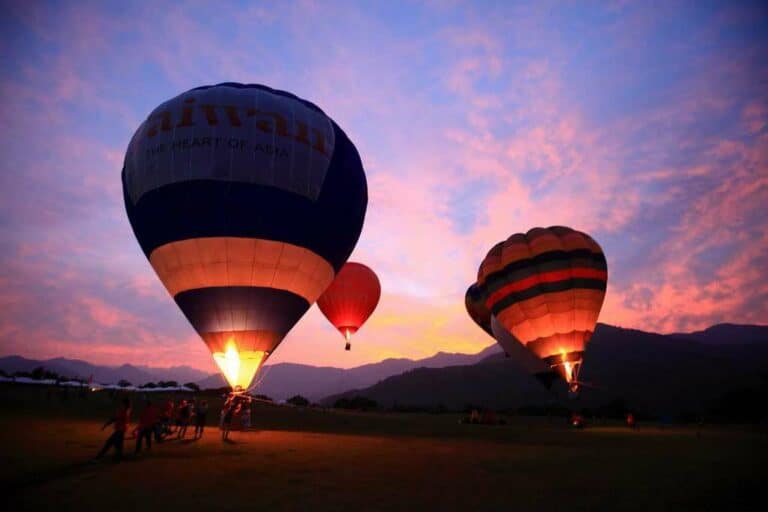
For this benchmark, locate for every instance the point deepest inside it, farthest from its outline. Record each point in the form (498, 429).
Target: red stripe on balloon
(546, 277)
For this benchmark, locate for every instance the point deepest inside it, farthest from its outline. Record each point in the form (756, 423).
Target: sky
(643, 124)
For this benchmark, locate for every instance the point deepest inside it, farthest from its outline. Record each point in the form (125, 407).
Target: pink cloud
(104, 314)
(469, 132)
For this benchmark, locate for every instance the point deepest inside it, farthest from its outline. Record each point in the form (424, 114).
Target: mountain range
(652, 372)
(284, 380)
(75, 368)
(279, 381)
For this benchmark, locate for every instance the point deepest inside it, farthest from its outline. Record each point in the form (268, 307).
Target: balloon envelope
(246, 200)
(475, 304)
(351, 298)
(545, 288)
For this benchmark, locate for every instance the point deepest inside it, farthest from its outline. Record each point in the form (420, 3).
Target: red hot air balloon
(351, 298)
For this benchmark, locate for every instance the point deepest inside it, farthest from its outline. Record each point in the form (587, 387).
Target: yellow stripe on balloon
(233, 261)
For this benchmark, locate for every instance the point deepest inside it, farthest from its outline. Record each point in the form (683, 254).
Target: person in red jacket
(120, 422)
(147, 424)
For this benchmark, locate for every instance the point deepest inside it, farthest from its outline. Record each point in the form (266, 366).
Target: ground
(303, 459)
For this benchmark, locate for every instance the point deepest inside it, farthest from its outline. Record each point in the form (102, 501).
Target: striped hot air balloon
(350, 299)
(475, 304)
(246, 200)
(546, 287)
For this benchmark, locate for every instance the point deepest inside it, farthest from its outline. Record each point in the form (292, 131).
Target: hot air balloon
(246, 200)
(475, 304)
(350, 299)
(546, 287)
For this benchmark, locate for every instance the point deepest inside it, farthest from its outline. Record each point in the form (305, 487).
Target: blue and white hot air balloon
(246, 200)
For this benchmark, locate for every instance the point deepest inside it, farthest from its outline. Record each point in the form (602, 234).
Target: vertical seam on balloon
(274, 144)
(527, 320)
(252, 243)
(277, 265)
(574, 294)
(292, 162)
(226, 213)
(552, 328)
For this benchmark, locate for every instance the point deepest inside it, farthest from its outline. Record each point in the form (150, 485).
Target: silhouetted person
(120, 422)
(226, 423)
(184, 414)
(245, 416)
(200, 418)
(147, 425)
(166, 418)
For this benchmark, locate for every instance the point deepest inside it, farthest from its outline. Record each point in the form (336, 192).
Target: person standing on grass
(120, 422)
(184, 413)
(226, 424)
(147, 425)
(167, 419)
(245, 416)
(192, 410)
(200, 417)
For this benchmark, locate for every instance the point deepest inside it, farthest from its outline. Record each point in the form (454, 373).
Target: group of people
(164, 422)
(237, 408)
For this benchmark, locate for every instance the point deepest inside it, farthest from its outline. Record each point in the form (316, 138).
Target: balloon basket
(348, 346)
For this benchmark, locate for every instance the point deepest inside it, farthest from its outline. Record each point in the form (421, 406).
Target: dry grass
(315, 461)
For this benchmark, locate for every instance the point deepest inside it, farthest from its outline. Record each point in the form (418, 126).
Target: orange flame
(238, 367)
(567, 366)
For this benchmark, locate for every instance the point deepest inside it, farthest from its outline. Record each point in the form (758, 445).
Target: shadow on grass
(83, 467)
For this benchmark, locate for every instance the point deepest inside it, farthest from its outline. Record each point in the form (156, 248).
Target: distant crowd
(171, 420)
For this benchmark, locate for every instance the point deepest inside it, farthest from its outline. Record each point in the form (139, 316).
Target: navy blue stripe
(241, 308)
(542, 288)
(329, 226)
(545, 262)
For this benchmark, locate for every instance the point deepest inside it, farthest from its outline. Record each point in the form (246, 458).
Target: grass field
(326, 460)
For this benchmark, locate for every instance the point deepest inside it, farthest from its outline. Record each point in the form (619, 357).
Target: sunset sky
(645, 125)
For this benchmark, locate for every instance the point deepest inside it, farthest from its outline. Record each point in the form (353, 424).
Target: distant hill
(495, 384)
(653, 372)
(284, 380)
(660, 374)
(180, 374)
(720, 334)
(75, 368)
(280, 381)
(664, 373)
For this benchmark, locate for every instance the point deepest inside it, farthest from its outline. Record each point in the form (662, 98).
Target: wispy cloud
(645, 127)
